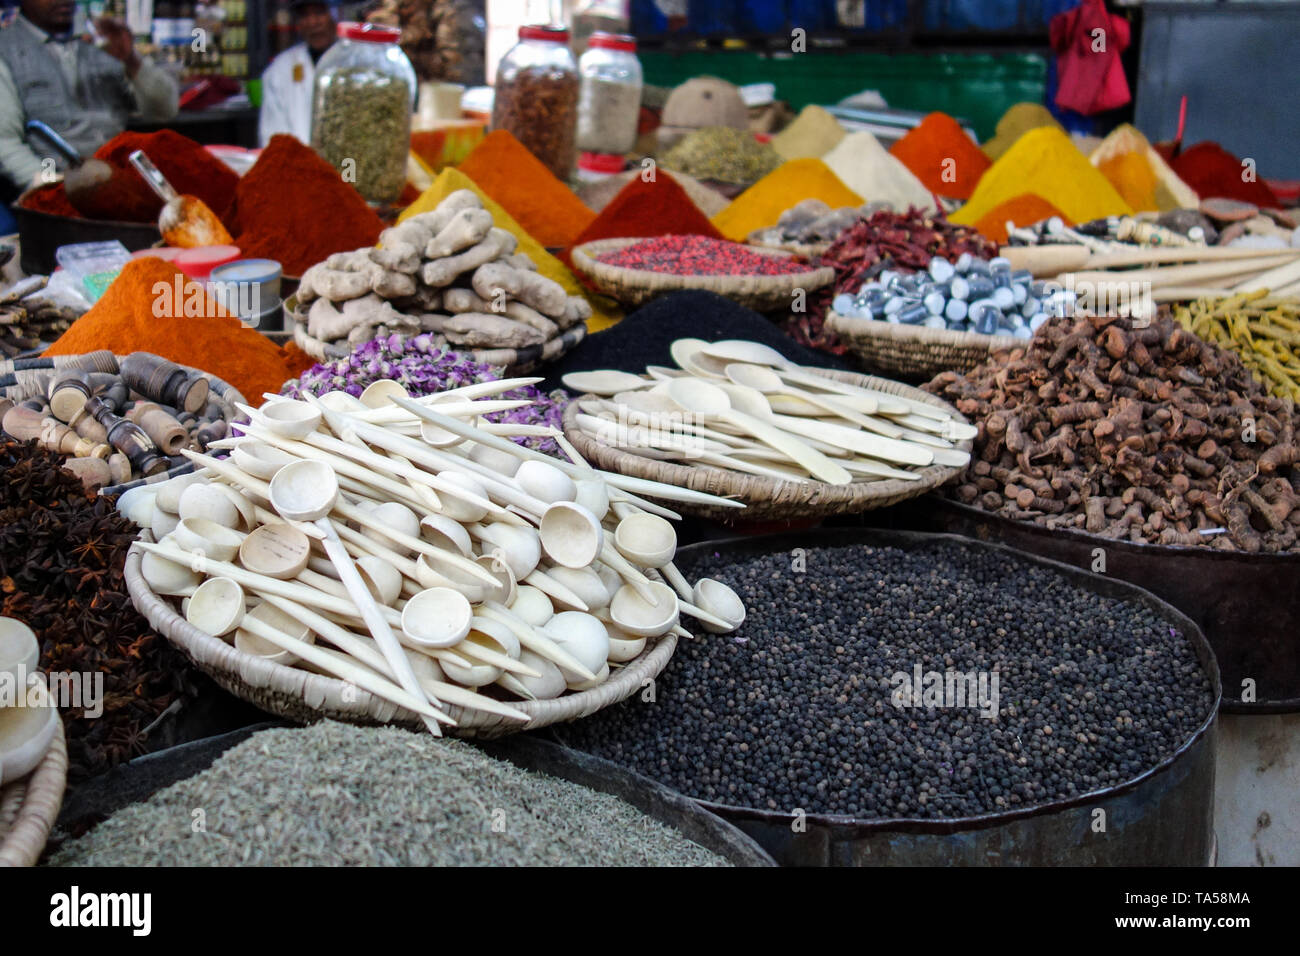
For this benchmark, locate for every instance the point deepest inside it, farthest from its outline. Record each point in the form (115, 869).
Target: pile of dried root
(1142, 434)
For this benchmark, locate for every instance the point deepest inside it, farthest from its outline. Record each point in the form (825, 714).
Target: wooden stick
(1179, 254)
(1187, 275)
(1283, 275)
(1188, 293)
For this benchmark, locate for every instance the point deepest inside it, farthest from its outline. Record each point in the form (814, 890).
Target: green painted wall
(978, 87)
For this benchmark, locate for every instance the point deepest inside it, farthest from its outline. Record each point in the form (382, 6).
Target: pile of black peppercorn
(797, 709)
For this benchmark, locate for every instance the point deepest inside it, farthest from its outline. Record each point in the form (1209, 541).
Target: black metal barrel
(133, 782)
(1247, 605)
(1163, 817)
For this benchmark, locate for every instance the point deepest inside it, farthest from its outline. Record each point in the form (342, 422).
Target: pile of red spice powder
(660, 207)
(521, 184)
(700, 256)
(1215, 173)
(940, 154)
(295, 208)
(50, 199)
(124, 321)
(190, 168)
(126, 197)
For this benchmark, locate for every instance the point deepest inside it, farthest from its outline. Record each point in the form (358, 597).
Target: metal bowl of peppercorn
(905, 699)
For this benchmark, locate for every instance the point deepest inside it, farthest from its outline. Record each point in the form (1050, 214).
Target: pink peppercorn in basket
(633, 271)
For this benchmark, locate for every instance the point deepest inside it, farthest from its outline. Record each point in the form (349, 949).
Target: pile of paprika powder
(150, 307)
(293, 207)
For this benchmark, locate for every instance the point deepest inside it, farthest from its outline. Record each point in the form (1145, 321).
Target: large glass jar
(361, 115)
(609, 104)
(537, 96)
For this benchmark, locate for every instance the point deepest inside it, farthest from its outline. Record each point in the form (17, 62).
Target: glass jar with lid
(597, 167)
(361, 115)
(537, 96)
(609, 103)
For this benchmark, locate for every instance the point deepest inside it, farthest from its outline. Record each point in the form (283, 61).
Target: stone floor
(1257, 791)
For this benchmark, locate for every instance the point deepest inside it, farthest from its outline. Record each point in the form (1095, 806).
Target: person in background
(289, 80)
(85, 93)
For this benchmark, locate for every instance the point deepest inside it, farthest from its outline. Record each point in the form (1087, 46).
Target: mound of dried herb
(62, 553)
(337, 795)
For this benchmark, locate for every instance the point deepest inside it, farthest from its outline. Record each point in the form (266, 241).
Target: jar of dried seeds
(537, 96)
(361, 117)
(609, 101)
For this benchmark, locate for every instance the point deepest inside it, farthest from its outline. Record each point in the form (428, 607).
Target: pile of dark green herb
(62, 552)
(363, 118)
(337, 795)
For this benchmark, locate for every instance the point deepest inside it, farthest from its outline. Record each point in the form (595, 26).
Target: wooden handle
(1283, 275)
(1047, 260)
(1138, 257)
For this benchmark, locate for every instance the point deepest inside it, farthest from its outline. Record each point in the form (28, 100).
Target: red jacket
(1091, 77)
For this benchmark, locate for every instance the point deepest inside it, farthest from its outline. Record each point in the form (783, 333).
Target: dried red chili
(902, 241)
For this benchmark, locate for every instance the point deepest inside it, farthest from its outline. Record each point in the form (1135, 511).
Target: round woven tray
(29, 807)
(809, 250)
(637, 286)
(303, 696)
(514, 361)
(22, 379)
(914, 350)
(767, 499)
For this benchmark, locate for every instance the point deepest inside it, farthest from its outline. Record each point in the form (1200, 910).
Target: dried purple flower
(425, 369)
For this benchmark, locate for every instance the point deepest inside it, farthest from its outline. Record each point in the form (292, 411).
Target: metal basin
(133, 782)
(41, 233)
(1247, 605)
(1162, 817)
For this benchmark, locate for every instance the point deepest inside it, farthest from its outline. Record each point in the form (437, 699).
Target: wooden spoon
(700, 397)
(309, 491)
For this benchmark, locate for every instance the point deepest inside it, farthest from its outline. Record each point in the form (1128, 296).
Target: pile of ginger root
(449, 271)
(1146, 434)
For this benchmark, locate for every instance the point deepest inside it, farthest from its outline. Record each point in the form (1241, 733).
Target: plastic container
(597, 167)
(250, 289)
(96, 264)
(537, 96)
(166, 253)
(361, 115)
(199, 262)
(609, 99)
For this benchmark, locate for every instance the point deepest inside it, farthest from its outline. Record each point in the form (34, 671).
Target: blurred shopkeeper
(84, 92)
(288, 82)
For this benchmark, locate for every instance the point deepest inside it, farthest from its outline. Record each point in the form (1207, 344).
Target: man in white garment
(288, 82)
(85, 93)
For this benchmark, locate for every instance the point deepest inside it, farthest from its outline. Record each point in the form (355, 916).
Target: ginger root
(537, 291)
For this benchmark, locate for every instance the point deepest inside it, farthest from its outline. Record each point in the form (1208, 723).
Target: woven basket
(914, 350)
(29, 807)
(22, 379)
(809, 250)
(637, 286)
(768, 499)
(304, 697)
(514, 361)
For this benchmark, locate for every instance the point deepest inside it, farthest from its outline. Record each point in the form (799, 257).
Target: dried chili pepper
(905, 242)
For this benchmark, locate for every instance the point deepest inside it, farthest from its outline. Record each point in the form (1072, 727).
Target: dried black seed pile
(795, 709)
